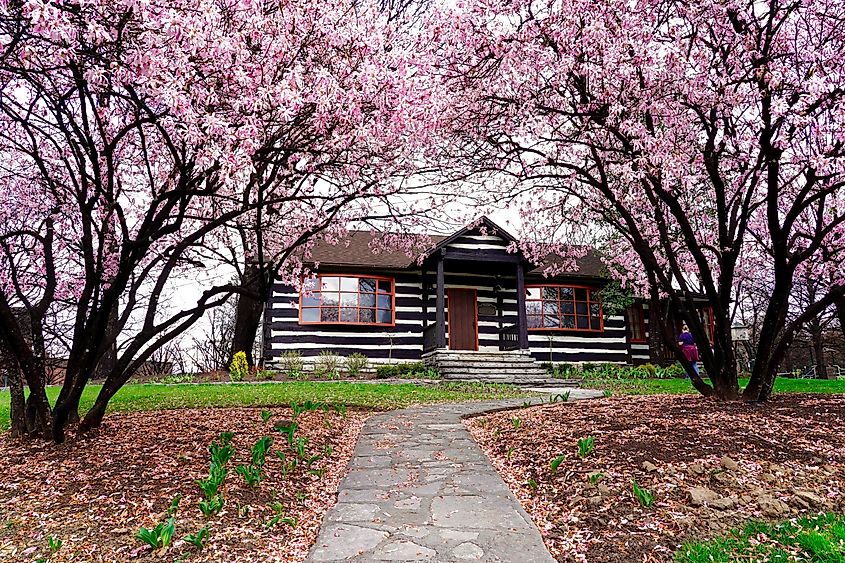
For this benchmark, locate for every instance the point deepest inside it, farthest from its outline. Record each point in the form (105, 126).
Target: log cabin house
(471, 308)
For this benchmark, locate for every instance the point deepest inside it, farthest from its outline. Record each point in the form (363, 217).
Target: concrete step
(453, 366)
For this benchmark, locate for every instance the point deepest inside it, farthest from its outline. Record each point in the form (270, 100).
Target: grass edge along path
(679, 386)
(151, 397)
(815, 538)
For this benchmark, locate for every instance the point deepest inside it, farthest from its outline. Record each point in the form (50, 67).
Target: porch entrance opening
(463, 319)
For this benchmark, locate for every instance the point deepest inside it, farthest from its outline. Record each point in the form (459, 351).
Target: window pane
(349, 299)
(581, 307)
(367, 285)
(367, 315)
(349, 314)
(385, 286)
(595, 309)
(533, 307)
(384, 316)
(312, 300)
(310, 315)
(580, 294)
(566, 307)
(551, 308)
(310, 284)
(595, 323)
(594, 295)
(566, 293)
(328, 315)
(385, 301)
(550, 293)
(583, 322)
(367, 300)
(330, 299)
(533, 292)
(551, 321)
(349, 284)
(568, 321)
(330, 284)
(535, 321)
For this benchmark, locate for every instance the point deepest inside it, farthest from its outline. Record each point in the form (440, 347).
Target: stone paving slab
(420, 489)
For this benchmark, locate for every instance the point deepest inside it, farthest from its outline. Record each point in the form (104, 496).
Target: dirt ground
(95, 491)
(710, 466)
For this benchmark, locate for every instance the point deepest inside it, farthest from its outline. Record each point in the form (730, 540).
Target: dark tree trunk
(818, 350)
(840, 312)
(94, 417)
(17, 403)
(255, 285)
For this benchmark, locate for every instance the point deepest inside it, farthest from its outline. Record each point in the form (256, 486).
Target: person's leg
(695, 368)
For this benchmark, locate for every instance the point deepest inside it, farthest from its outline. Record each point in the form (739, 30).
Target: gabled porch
(474, 314)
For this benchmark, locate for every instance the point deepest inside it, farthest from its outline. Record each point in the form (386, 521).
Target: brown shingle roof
(357, 251)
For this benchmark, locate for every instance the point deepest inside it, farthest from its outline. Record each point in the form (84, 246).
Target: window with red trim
(562, 307)
(328, 299)
(636, 323)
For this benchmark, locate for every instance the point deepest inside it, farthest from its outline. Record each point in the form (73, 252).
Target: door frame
(449, 292)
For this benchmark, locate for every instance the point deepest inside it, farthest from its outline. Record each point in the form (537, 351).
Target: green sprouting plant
(259, 451)
(509, 453)
(288, 430)
(239, 368)
(562, 397)
(643, 496)
(287, 466)
(300, 447)
(555, 464)
(312, 460)
(54, 544)
(586, 446)
(212, 506)
(296, 410)
(266, 416)
(607, 393)
(292, 365)
(250, 473)
(355, 363)
(516, 422)
(198, 540)
(533, 484)
(340, 409)
(160, 536)
(222, 451)
(328, 450)
(526, 404)
(319, 472)
(174, 505)
(265, 375)
(595, 477)
(211, 484)
(327, 365)
(279, 516)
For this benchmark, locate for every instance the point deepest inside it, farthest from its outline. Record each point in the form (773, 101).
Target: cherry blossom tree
(695, 142)
(136, 136)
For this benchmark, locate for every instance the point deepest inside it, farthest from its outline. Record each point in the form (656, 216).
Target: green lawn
(360, 395)
(682, 386)
(818, 538)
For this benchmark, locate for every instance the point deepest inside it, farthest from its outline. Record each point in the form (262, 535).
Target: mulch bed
(711, 466)
(97, 490)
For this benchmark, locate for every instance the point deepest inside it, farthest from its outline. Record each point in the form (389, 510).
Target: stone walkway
(419, 488)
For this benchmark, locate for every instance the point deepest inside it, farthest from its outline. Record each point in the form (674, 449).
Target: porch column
(521, 319)
(440, 314)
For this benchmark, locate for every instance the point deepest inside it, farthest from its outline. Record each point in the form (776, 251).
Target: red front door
(463, 319)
